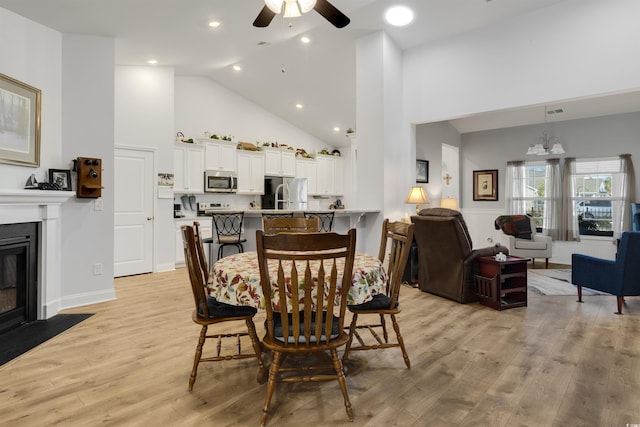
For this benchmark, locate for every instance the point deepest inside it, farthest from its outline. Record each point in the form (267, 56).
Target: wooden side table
(502, 284)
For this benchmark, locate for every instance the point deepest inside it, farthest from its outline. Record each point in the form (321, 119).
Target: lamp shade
(274, 5)
(449, 203)
(417, 195)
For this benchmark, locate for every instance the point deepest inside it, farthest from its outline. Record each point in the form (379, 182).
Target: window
(534, 188)
(598, 196)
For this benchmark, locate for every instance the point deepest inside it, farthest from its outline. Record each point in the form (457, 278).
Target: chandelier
(547, 144)
(290, 8)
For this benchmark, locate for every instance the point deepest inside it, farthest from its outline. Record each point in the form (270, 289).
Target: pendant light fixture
(547, 144)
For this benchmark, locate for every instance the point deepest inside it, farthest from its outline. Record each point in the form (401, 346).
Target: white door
(133, 206)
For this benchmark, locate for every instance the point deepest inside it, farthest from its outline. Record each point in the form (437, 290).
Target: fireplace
(18, 274)
(40, 256)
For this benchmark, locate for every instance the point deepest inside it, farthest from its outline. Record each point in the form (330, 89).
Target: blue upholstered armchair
(620, 277)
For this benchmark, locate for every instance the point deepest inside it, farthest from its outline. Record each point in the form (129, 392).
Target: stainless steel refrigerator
(296, 193)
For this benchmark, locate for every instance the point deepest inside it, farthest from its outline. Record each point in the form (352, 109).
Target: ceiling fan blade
(331, 14)
(264, 18)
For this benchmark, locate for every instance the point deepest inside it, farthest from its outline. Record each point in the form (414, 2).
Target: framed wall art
(485, 185)
(19, 123)
(60, 177)
(422, 171)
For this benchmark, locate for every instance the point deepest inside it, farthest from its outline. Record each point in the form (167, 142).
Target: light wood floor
(553, 363)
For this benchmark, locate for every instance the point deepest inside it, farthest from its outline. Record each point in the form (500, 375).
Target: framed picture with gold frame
(485, 185)
(19, 122)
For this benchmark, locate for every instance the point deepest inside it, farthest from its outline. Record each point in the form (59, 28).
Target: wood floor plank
(553, 363)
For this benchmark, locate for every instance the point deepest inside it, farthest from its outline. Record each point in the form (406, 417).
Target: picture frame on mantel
(19, 122)
(422, 171)
(485, 185)
(61, 177)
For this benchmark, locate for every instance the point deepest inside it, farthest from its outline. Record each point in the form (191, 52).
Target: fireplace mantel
(17, 206)
(37, 197)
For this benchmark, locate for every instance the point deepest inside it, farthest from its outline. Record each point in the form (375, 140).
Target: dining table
(235, 280)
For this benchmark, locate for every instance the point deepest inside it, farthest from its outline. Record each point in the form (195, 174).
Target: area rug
(554, 282)
(23, 338)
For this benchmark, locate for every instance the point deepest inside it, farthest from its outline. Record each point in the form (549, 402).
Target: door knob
(149, 218)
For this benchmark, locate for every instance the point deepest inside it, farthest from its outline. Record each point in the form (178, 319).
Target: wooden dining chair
(202, 259)
(290, 225)
(400, 235)
(325, 218)
(277, 215)
(208, 311)
(300, 319)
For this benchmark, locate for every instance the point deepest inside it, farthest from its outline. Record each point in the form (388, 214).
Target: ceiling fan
(295, 8)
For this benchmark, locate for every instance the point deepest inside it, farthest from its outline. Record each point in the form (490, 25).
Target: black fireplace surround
(18, 274)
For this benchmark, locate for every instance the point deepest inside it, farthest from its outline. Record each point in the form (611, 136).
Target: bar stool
(228, 229)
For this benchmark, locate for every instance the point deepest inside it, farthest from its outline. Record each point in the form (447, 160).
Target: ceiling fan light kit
(295, 8)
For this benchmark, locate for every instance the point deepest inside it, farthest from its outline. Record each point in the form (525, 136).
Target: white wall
(144, 117)
(570, 50)
(77, 109)
(87, 131)
(31, 53)
(429, 140)
(383, 145)
(202, 105)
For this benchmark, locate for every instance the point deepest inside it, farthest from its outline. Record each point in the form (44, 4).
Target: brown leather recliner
(446, 258)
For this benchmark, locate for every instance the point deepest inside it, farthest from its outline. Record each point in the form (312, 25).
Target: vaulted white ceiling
(278, 70)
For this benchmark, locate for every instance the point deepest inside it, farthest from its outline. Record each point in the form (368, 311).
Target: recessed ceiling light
(336, 129)
(299, 106)
(214, 24)
(305, 39)
(152, 61)
(237, 68)
(399, 16)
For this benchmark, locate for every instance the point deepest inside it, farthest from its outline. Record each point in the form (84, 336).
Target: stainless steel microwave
(220, 182)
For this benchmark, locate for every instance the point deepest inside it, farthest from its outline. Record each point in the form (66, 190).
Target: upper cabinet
(220, 155)
(279, 162)
(307, 168)
(188, 168)
(250, 172)
(330, 175)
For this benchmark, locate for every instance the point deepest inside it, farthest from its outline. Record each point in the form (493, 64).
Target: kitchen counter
(253, 213)
(345, 219)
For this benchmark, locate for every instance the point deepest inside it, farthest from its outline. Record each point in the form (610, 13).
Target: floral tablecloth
(236, 280)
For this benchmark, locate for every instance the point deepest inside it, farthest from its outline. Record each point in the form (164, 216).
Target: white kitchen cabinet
(330, 175)
(220, 155)
(279, 162)
(188, 168)
(307, 168)
(339, 174)
(326, 175)
(250, 172)
(206, 229)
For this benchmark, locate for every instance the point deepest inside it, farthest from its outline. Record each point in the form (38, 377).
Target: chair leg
(383, 323)
(619, 299)
(255, 342)
(220, 251)
(579, 293)
(271, 385)
(337, 364)
(198, 356)
(352, 329)
(396, 327)
(546, 263)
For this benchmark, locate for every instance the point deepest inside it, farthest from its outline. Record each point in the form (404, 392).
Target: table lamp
(449, 203)
(418, 196)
